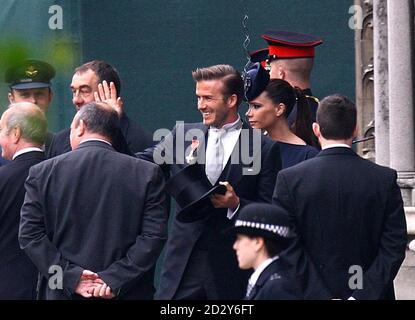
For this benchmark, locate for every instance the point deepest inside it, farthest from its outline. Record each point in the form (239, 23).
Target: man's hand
(103, 291)
(108, 94)
(88, 281)
(229, 200)
(91, 285)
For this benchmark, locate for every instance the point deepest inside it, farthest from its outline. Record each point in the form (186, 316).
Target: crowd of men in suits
(91, 220)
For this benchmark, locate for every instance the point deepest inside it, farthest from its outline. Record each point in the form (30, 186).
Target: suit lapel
(253, 293)
(270, 271)
(198, 154)
(233, 171)
(201, 156)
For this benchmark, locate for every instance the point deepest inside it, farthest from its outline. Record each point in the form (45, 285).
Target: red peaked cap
(289, 45)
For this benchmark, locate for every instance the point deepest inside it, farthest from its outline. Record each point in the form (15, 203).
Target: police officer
(263, 231)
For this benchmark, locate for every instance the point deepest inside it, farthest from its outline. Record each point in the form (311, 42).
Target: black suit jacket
(276, 283)
(2, 161)
(347, 211)
(48, 141)
(130, 140)
(97, 209)
(18, 275)
(207, 233)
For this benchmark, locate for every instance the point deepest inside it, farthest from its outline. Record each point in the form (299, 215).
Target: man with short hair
(95, 81)
(30, 81)
(348, 214)
(96, 215)
(199, 262)
(22, 134)
(291, 58)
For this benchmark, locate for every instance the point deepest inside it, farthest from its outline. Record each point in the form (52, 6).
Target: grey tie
(215, 163)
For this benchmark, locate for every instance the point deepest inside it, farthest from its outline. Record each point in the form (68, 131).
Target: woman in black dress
(270, 103)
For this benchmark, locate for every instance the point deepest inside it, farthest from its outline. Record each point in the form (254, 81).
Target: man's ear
(11, 97)
(281, 73)
(15, 134)
(50, 96)
(232, 100)
(316, 130)
(356, 131)
(81, 128)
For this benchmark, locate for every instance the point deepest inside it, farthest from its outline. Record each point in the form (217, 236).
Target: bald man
(22, 134)
(96, 214)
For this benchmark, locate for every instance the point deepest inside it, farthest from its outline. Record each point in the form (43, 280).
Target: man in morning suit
(348, 214)
(199, 262)
(98, 80)
(22, 135)
(97, 214)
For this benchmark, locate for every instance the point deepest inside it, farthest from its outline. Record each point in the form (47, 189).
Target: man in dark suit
(94, 218)
(348, 213)
(22, 134)
(92, 81)
(199, 262)
(2, 161)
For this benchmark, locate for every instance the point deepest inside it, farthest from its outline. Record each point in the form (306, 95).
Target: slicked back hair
(231, 78)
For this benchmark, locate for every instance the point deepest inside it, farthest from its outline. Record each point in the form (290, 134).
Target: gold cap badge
(31, 72)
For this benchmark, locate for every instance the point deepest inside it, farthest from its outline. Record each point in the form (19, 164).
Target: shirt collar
(96, 139)
(336, 145)
(26, 150)
(236, 125)
(255, 276)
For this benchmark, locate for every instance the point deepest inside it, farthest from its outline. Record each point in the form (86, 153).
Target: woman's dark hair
(280, 91)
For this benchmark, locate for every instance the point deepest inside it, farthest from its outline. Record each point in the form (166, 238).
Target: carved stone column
(364, 79)
(381, 98)
(401, 90)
